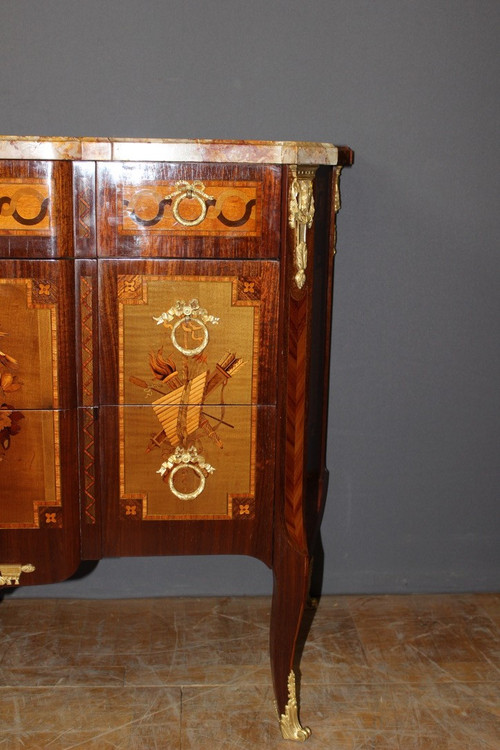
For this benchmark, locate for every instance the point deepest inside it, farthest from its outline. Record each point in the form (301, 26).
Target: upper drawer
(35, 209)
(37, 335)
(188, 210)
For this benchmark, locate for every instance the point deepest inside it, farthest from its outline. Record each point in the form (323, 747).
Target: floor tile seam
(83, 687)
(395, 683)
(258, 684)
(218, 685)
(186, 685)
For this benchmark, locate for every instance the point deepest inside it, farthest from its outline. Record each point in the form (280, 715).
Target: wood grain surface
(38, 192)
(141, 185)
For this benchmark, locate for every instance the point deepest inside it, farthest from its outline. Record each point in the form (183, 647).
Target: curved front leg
(291, 585)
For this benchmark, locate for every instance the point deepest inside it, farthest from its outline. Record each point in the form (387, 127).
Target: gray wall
(413, 87)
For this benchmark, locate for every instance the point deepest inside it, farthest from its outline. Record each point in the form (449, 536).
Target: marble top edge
(168, 149)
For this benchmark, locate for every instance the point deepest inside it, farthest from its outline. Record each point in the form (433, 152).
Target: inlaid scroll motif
(185, 421)
(202, 208)
(24, 207)
(10, 418)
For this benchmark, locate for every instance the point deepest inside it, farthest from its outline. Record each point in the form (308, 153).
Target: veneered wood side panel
(293, 373)
(322, 268)
(304, 372)
(134, 221)
(35, 209)
(300, 471)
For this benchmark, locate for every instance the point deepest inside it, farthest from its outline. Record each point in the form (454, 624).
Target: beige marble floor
(405, 672)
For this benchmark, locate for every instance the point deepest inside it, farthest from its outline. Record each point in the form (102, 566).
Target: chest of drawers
(165, 313)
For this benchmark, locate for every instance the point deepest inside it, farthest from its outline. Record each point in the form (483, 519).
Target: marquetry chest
(165, 317)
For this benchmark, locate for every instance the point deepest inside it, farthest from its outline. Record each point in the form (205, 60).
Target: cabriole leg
(291, 583)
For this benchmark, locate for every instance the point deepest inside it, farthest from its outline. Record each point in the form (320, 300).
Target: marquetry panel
(170, 210)
(183, 207)
(24, 207)
(36, 338)
(195, 348)
(169, 322)
(202, 479)
(36, 334)
(28, 333)
(38, 493)
(30, 469)
(199, 329)
(233, 512)
(189, 346)
(34, 218)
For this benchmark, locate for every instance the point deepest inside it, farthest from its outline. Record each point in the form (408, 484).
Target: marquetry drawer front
(188, 210)
(187, 410)
(37, 360)
(38, 439)
(38, 487)
(32, 441)
(34, 218)
(208, 472)
(165, 322)
(210, 494)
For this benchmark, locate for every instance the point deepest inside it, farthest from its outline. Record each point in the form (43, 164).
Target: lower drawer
(210, 494)
(38, 494)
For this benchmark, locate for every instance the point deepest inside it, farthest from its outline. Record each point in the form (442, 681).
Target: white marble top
(148, 149)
